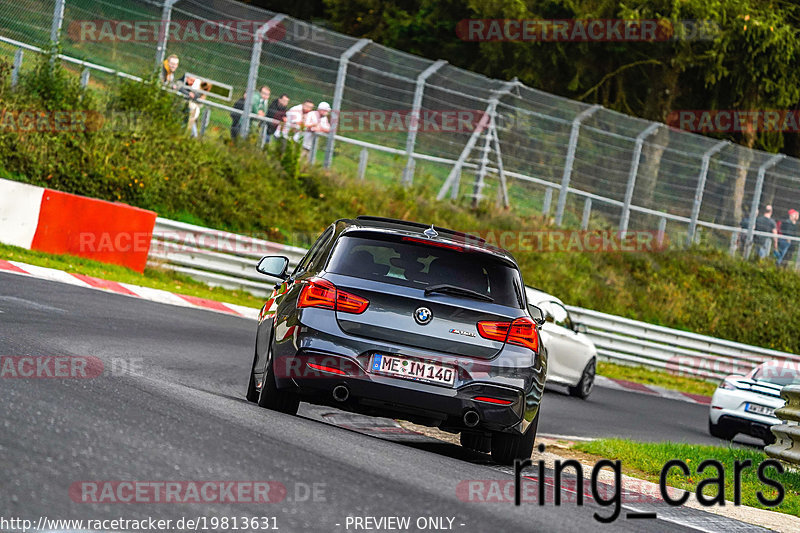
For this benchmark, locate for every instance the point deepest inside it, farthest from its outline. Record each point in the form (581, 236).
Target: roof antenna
(430, 232)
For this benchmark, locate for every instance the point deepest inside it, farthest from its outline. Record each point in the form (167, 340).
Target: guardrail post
(751, 225)
(16, 67)
(787, 444)
(163, 32)
(206, 118)
(341, 78)
(312, 154)
(548, 200)
(662, 231)
(637, 156)
(587, 211)
(573, 145)
(58, 20)
(362, 163)
(701, 185)
(85, 77)
(411, 139)
(455, 172)
(252, 74)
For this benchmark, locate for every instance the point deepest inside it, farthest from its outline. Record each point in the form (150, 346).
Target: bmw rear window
(419, 265)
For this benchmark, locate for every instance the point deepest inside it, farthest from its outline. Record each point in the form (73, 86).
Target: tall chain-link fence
(475, 137)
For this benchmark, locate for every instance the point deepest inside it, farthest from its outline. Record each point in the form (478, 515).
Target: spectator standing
(236, 118)
(277, 111)
(296, 118)
(316, 122)
(168, 69)
(259, 106)
(765, 224)
(789, 228)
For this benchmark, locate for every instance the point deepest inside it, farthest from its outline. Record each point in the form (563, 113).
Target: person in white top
(316, 122)
(295, 120)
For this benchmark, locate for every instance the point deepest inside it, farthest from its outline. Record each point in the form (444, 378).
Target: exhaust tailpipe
(471, 418)
(341, 393)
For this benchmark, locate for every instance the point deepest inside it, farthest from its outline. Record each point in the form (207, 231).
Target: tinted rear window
(421, 266)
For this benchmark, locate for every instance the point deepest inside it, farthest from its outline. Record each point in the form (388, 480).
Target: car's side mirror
(274, 266)
(536, 314)
(577, 327)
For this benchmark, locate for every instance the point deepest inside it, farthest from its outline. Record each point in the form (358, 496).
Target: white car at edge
(571, 356)
(746, 404)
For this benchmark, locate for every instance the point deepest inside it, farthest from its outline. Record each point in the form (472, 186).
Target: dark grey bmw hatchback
(399, 319)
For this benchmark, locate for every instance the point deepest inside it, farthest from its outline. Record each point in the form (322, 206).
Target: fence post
(17, 66)
(637, 156)
(411, 139)
(58, 20)
(456, 185)
(252, 74)
(573, 145)
(500, 170)
(587, 211)
(751, 225)
(362, 163)
(455, 172)
(341, 78)
(163, 32)
(701, 185)
(85, 77)
(548, 201)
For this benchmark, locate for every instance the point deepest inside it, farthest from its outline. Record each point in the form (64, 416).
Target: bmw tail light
(521, 332)
(323, 294)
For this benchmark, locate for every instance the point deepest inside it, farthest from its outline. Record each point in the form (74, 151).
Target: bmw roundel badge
(423, 315)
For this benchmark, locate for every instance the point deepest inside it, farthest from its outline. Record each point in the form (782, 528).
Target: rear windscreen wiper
(460, 291)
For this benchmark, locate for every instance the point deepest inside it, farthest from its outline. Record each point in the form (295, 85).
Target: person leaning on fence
(259, 107)
(295, 119)
(786, 247)
(236, 118)
(316, 123)
(277, 112)
(168, 69)
(765, 224)
(194, 89)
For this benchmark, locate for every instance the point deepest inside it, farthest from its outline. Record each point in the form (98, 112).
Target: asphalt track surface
(179, 414)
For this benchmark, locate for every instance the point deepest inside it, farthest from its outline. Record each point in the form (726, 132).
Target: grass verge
(152, 277)
(657, 378)
(646, 460)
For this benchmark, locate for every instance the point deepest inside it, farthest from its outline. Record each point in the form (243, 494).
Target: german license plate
(759, 409)
(402, 367)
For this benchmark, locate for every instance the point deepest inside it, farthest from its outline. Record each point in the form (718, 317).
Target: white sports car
(746, 404)
(572, 357)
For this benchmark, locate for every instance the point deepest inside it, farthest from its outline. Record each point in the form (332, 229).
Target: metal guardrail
(215, 257)
(228, 260)
(632, 342)
(787, 446)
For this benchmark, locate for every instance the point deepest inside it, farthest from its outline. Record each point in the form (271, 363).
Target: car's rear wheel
(252, 390)
(478, 442)
(584, 387)
(507, 447)
(273, 398)
(720, 431)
